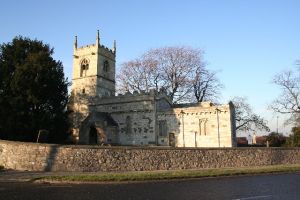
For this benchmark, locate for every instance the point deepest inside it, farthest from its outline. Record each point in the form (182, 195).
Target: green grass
(163, 175)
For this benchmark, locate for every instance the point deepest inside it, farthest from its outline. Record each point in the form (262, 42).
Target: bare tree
(176, 66)
(288, 102)
(137, 75)
(245, 118)
(206, 85)
(179, 70)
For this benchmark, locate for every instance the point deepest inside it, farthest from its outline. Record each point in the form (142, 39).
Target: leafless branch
(245, 118)
(179, 70)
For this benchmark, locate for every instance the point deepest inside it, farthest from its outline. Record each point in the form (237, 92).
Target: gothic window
(162, 127)
(128, 125)
(106, 66)
(84, 67)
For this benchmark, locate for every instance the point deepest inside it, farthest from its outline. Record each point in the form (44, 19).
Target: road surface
(262, 187)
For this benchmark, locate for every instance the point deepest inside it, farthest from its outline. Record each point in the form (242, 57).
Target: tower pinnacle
(98, 38)
(75, 43)
(114, 46)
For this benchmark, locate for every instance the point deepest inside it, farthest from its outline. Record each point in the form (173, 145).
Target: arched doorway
(93, 138)
(98, 128)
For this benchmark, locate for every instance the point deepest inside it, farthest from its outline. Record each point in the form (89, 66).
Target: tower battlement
(93, 46)
(97, 46)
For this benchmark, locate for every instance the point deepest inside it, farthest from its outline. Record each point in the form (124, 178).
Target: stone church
(147, 118)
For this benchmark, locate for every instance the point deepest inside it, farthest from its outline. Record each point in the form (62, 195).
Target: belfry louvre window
(162, 127)
(106, 66)
(84, 67)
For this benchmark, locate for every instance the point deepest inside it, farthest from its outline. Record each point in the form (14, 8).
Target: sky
(247, 41)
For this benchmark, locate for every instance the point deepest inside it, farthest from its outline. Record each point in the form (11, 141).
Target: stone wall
(200, 125)
(135, 116)
(46, 157)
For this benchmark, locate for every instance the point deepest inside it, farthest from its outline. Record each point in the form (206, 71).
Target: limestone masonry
(146, 118)
(47, 157)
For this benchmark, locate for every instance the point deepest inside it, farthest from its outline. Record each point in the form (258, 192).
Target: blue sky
(248, 41)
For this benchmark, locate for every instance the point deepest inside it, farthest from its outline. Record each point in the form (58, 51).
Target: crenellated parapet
(136, 96)
(151, 92)
(91, 47)
(97, 47)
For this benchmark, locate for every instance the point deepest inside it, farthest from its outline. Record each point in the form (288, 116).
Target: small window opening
(106, 66)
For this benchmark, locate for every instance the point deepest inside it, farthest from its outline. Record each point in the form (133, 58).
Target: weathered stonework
(146, 118)
(200, 125)
(47, 157)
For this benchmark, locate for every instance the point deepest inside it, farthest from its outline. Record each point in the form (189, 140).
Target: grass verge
(178, 174)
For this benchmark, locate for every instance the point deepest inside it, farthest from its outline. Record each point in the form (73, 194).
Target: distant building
(146, 118)
(261, 140)
(242, 141)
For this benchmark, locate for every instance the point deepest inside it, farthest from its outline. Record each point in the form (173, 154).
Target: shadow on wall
(168, 125)
(90, 126)
(78, 112)
(139, 123)
(51, 158)
(277, 157)
(98, 128)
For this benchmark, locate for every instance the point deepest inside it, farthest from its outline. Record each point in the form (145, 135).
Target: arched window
(106, 66)
(84, 67)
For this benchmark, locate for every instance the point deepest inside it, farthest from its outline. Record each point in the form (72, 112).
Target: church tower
(94, 69)
(93, 78)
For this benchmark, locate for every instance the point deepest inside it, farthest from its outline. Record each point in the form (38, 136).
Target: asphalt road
(262, 187)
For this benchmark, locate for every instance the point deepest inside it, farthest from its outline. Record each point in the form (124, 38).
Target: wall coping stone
(78, 146)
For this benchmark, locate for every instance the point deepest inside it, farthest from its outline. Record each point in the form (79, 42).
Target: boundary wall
(80, 158)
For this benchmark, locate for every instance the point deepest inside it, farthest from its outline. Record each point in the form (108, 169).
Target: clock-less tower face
(94, 71)
(106, 73)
